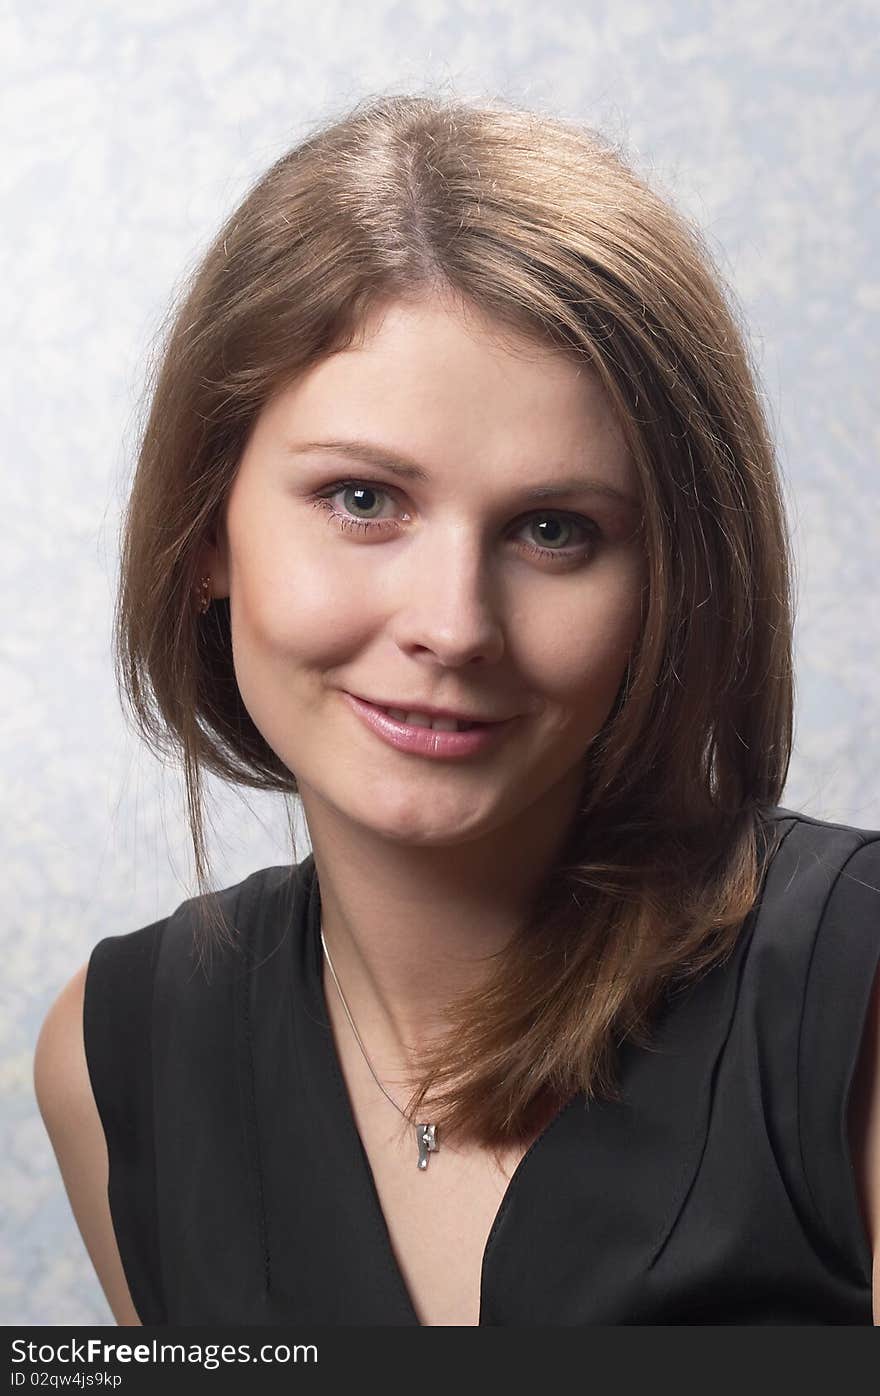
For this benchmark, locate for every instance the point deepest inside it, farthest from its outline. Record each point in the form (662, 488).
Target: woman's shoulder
(811, 825)
(246, 908)
(812, 859)
(163, 987)
(817, 916)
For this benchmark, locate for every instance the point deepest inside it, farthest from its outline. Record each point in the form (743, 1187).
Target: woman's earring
(203, 592)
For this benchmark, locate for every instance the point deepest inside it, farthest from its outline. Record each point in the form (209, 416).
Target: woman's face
(440, 583)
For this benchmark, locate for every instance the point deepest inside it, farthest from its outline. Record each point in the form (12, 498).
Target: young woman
(456, 516)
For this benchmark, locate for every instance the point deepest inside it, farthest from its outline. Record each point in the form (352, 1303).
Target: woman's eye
(363, 497)
(564, 537)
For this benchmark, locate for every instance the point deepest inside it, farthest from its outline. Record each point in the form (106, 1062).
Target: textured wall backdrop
(131, 130)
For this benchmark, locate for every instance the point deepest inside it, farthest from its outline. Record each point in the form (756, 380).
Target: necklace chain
(426, 1135)
(357, 1034)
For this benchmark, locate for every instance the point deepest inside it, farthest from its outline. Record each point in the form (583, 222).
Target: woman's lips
(428, 741)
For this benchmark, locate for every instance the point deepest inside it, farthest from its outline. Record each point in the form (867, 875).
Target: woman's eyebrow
(401, 464)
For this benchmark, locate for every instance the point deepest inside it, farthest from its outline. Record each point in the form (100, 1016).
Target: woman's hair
(541, 224)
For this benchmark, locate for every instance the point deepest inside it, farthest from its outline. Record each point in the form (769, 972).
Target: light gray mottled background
(130, 130)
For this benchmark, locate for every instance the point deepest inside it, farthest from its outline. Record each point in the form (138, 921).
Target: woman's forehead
(429, 384)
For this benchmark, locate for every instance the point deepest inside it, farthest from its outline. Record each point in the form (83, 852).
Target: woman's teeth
(439, 724)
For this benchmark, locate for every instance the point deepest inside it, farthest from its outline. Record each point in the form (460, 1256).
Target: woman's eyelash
(344, 521)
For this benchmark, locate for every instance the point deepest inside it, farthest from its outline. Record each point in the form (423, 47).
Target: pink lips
(425, 741)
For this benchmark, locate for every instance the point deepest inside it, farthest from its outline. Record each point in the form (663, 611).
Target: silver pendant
(427, 1137)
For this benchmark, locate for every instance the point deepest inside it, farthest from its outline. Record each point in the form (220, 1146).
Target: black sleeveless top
(718, 1190)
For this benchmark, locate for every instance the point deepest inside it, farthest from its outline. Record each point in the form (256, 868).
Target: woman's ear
(214, 561)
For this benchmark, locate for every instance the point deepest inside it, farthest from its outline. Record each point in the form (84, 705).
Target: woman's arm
(64, 1094)
(864, 1122)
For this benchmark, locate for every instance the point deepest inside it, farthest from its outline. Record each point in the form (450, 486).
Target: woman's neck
(411, 928)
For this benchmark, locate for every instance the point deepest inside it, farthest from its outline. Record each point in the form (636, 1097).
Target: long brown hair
(541, 223)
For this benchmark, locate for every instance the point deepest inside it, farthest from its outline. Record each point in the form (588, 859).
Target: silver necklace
(426, 1135)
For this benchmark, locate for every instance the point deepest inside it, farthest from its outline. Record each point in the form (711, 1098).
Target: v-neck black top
(719, 1189)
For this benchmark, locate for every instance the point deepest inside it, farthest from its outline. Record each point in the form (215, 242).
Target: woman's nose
(450, 605)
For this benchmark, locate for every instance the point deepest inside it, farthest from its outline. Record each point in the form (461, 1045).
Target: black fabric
(719, 1189)
(117, 1012)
